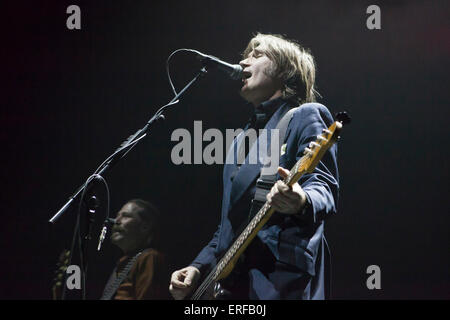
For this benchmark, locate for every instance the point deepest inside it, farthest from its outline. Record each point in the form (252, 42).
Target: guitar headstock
(316, 149)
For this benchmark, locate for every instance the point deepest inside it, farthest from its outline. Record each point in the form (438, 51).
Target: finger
(176, 294)
(175, 280)
(183, 272)
(177, 275)
(282, 202)
(269, 198)
(282, 187)
(281, 195)
(270, 193)
(277, 190)
(283, 172)
(287, 199)
(178, 284)
(289, 195)
(189, 277)
(278, 207)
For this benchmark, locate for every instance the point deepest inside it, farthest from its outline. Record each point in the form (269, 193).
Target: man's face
(129, 232)
(258, 86)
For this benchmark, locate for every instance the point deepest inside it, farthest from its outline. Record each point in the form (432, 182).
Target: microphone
(102, 237)
(233, 70)
(110, 220)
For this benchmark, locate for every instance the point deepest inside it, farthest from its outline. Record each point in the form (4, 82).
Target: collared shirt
(257, 121)
(264, 112)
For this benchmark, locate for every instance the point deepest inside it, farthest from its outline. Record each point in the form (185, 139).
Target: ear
(145, 229)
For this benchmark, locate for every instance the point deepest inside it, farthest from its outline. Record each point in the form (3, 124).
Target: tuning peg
(307, 151)
(313, 144)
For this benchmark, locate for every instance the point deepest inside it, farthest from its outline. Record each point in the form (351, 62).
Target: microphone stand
(106, 166)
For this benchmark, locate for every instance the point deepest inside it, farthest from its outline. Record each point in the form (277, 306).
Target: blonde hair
(294, 65)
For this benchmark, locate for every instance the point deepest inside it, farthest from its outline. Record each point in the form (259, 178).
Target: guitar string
(210, 278)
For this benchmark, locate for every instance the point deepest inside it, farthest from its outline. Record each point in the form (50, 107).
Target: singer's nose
(244, 63)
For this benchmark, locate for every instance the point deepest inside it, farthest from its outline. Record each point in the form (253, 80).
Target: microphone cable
(168, 68)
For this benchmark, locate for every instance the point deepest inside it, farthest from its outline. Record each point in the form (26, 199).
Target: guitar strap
(265, 181)
(115, 280)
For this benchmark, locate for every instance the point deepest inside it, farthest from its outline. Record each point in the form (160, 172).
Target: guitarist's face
(259, 84)
(130, 232)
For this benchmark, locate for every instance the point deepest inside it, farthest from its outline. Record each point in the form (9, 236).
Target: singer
(142, 272)
(289, 257)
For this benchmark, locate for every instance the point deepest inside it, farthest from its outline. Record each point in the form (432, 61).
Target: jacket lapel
(248, 173)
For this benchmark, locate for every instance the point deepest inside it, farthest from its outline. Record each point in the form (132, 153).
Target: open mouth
(245, 76)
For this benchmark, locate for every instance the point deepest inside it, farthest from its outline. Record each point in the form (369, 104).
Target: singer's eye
(257, 53)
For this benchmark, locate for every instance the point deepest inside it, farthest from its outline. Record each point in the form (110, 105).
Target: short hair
(150, 214)
(294, 65)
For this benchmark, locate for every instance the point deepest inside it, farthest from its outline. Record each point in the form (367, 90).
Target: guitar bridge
(220, 293)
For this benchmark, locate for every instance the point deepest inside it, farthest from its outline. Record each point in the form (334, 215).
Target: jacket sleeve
(322, 185)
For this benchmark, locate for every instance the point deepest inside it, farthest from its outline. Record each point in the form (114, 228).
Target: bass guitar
(210, 288)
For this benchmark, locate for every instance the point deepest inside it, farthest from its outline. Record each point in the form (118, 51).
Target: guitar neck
(312, 155)
(226, 264)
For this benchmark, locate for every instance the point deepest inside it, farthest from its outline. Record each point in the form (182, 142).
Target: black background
(70, 97)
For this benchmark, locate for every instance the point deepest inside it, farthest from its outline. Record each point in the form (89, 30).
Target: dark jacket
(292, 248)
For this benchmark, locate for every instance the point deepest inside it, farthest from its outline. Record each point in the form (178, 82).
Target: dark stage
(70, 97)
